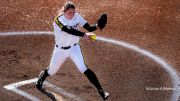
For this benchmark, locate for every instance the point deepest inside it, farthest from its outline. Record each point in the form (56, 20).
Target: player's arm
(69, 29)
(72, 31)
(101, 23)
(90, 28)
(86, 25)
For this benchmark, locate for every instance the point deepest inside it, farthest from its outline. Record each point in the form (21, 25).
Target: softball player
(66, 30)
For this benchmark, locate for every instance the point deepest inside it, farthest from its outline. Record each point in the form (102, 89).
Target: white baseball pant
(60, 55)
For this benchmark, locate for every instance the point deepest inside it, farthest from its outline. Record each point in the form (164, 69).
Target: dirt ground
(153, 25)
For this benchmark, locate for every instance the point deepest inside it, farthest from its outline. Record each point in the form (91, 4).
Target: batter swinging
(66, 30)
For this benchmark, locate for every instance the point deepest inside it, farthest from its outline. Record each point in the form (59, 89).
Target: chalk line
(26, 33)
(63, 92)
(170, 70)
(14, 87)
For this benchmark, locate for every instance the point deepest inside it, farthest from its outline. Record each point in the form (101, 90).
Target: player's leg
(57, 59)
(93, 79)
(77, 57)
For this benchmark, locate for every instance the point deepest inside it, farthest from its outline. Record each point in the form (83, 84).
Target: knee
(51, 72)
(83, 70)
(88, 72)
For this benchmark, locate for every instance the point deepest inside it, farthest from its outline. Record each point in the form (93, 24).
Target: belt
(68, 47)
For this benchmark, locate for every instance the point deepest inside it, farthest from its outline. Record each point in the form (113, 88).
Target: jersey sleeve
(82, 21)
(64, 27)
(59, 21)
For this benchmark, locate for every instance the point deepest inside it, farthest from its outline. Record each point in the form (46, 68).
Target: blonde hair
(67, 6)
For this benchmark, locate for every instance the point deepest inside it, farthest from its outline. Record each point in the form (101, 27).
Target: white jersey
(63, 38)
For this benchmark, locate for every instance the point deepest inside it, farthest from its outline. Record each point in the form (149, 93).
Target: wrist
(96, 25)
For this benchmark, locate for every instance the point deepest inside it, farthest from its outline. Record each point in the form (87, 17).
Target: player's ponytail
(67, 5)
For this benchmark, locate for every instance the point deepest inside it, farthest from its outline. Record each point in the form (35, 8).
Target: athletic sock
(45, 74)
(93, 79)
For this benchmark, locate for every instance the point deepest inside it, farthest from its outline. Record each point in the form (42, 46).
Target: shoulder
(78, 15)
(60, 19)
(61, 16)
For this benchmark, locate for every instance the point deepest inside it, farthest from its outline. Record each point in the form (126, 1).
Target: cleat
(104, 94)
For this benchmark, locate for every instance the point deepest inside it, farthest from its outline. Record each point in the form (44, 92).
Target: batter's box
(52, 91)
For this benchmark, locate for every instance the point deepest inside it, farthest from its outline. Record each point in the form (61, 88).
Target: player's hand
(90, 36)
